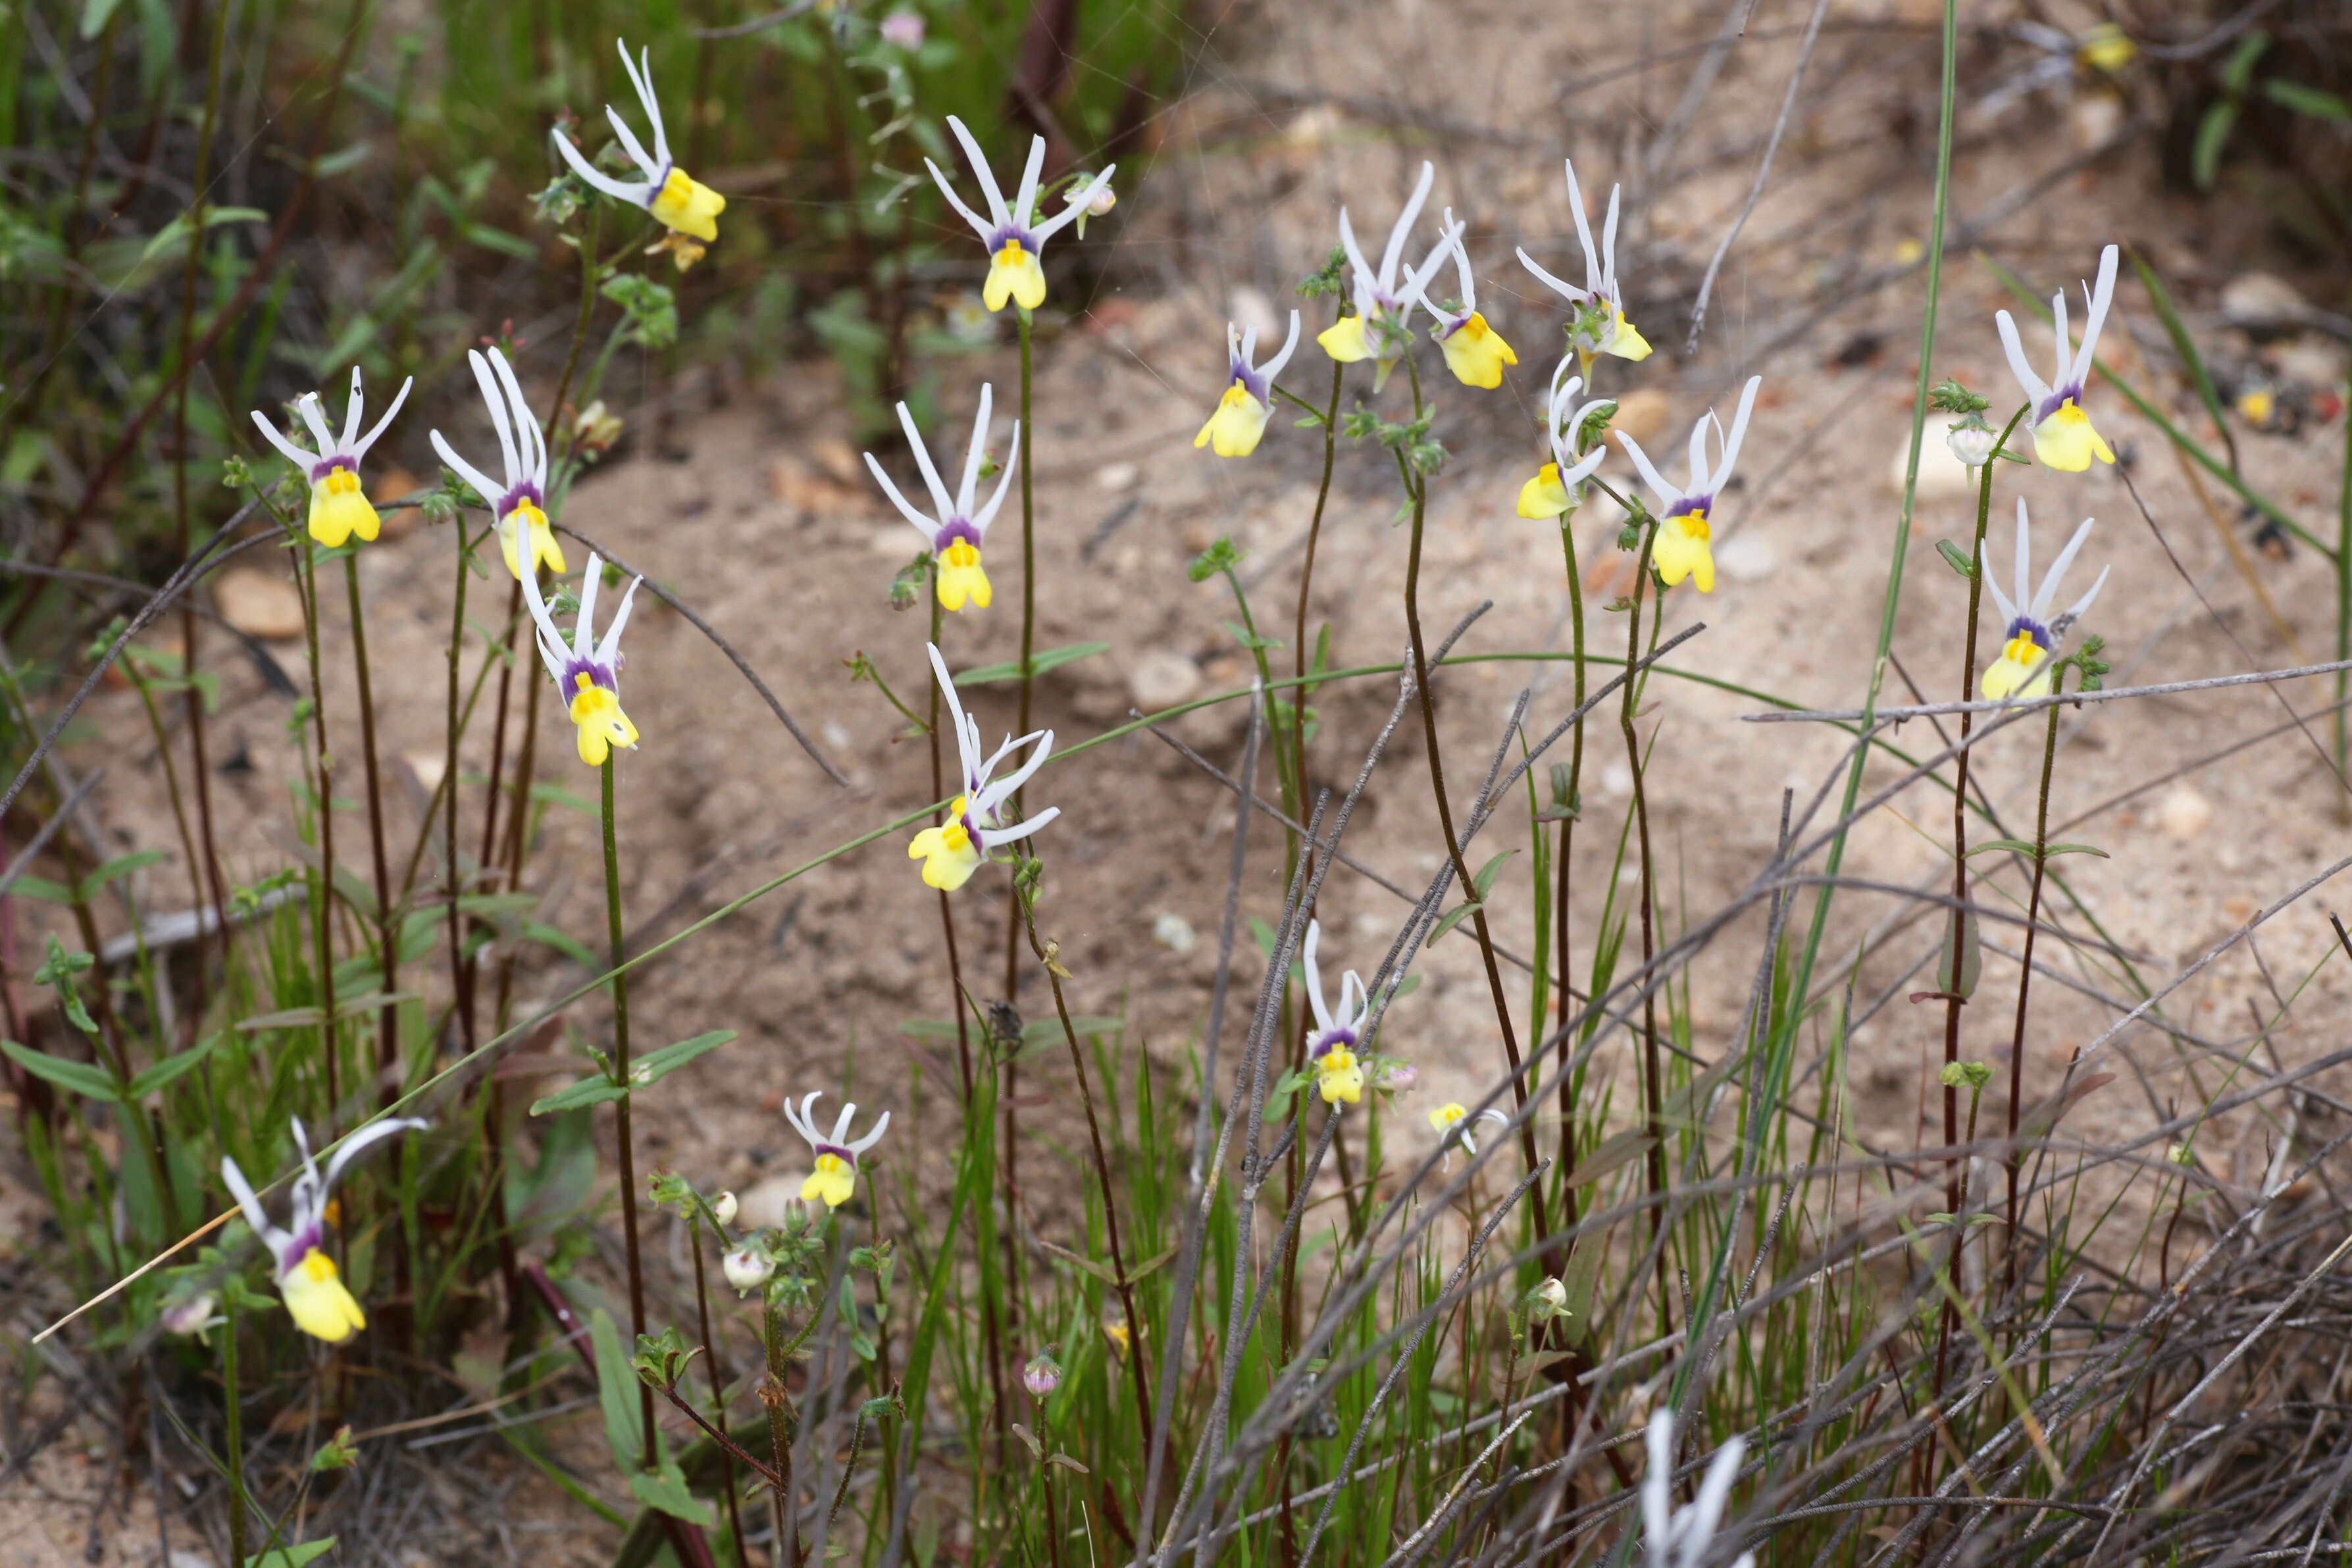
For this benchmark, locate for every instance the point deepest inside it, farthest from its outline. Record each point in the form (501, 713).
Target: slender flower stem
(1305, 580)
(388, 1085)
(1652, 1076)
(2343, 607)
(233, 1441)
(620, 983)
(947, 908)
(322, 902)
(1418, 488)
(779, 1404)
(1567, 1080)
(1028, 678)
(717, 1384)
(1047, 959)
(2025, 977)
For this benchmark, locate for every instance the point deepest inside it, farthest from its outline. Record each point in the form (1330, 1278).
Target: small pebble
(1942, 476)
(1117, 477)
(1162, 678)
(2184, 812)
(259, 603)
(1173, 932)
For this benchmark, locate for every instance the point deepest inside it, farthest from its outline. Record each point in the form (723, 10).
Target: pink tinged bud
(1973, 445)
(746, 1270)
(1401, 1076)
(192, 1316)
(723, 1207)
(904, 29)
(1042, 1375)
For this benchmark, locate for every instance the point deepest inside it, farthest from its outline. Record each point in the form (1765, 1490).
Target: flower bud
(722, 1209)
(1396, 1077)
(1972, 442)
(1548, 1300)
(904, 29)
(1042, 1375)
(747, 1268)
(189, 1317)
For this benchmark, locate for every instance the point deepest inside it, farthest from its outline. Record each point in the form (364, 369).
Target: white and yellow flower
(1553, 489)
(1681, 548)
(1685, 1537)
(1239, 421)
(338, 506)
(1452, 1123)
(1601, 327)
(835, 1176)
(526, 538)
(1332, 1049)
(955, 534)
(952, 852)
(678, 201)
(2024, 668)
(1384, 301)
(2064, 437)
(588, 672)
(1014, 238)
(1473, 350)
(314, 1293)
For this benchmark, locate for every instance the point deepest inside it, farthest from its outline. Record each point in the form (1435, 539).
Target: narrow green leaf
(616, 1391)
(2186, 347)
(1049, 659)
(655, 1065)
(1452, 918)
(2212, 135)
(1483, 878)
(171, 1068)
(293, 1556)
(1613, 1152)
(1958, 559)
(2307, 101)
(79, 1077)
(587, 1091)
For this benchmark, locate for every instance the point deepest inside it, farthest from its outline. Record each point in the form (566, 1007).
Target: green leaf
(1052, 658)
(655, 1065)
(121, 866)
(1483, 878)
(2018, 846)
(2307, 101)
(41, 887)
(81, 1077)
(164, 1071)
(2240, 69)
(1961, 979)
(2186, 347)
(176, 231)
(666, 1490)
(1624, 1148)
(587, 1091)
(564, 942)
(293, 1556)
(1452, 918)
(94, 16)
(1958, 559)
(2212, 135)
(616, 1391)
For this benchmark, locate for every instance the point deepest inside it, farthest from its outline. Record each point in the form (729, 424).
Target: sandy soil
(757, 514)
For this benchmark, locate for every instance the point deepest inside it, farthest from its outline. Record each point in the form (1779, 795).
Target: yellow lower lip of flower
(1013, 273)
(1682, 550)
(2066, 441)
(602, 724)
(1344, 340)
(948, 853)
(833, 1180)
(2021, 670)
(1445, 1118)
(339, 509)
(1624, 342)
(1338, 1077)
(527, 528)
(1544, 495)
(688, 205)
(318, 1302)
(1476, 353)
(1237, 425)
(960, 577)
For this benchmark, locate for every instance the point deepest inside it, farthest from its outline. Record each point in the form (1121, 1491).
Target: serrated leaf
(78, 1077)
(1049, 659)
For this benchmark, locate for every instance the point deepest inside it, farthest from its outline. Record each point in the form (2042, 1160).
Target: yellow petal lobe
(833, 1180)
(961, 580)
(687, 206)
(1013, 273)
(1476, 353)
(1682, 550)
(1544, 495)
(1344, 340)
(339, 509)
(1236, 427)
(2066, 441)
(318, 1302)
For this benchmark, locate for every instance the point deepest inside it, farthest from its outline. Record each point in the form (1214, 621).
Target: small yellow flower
(526, 538)
(1337, 1076)
(2064, 437)
(588, 672)
(1385, 300)
(956, 534)
(1473, 350)
(1013, 236)
(1547, 495)
(339, 506)
(678, 201)
(315, 1296)
(1544, 495)
(835, 1176)
(1118, 1338)
(955, 849)
(1451, 1124)
(1606, 330)
(1331, 1049)
(1240, 418)
(1682, 547)
(2105, 48)
(2022, 670)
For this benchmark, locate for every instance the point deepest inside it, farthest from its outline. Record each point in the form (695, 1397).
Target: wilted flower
(1452, 1123)
(1385, 300)
(722, 1209)
(1331, 1049)
(747, 1268)
(1602, 328)
(952, 852)
(1684, 1537)
(2062, 435)
(1240, 419)
(836, 1176)
(314, 1294)
(677, 200)
(525, 536)
(1042, 1375)
(954, 534)
(1473, 350)
(594, 430)
(903, 28)
(1014, 238)
(338, 506)
(1681, 548)
(2024, 668)
(1550, 493)
(588, 672)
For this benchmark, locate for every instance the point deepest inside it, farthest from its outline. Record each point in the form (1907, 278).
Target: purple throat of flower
(300, 1246)
(837, 1152)
(598, 675)
(1013, 234)
(1702, 504)
(526, 491)
(1334, 1039)
(332, 461)
(2059, 398)
(1250, 381)
(2026, 626)
(956, 530)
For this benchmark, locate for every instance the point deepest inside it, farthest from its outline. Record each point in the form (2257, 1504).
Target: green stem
(718, 1388)
(2026, 974)
(621, 1076)
(1652, 1073)
(1028, 675)
(2342, 601)
(233, 1444)
(387, 1050)
(1305, 580)
(1567, 1084)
